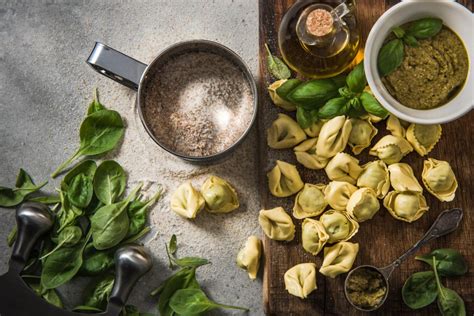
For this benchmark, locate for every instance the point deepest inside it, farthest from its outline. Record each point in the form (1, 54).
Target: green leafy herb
(195, 302)
(70, 236)
(191, 262)
(96, 262)
(410, 40)
(51, 296)
(425, 28)
(372, 106)
(138, 212)
(339, 80)
(276, 66)
(390, 57)
(449, 302)
(356, 80)
(100, 132)
(47, 199)
(398, 31)
(80, 191)
(12, 236)
(109, 182)
(98, 292)
(306, 117)
(95, 105)
(173, 246)
(313, 93)
(420, 290)
(449, 262)
(287, 87)
(24, 186)
(332, 108)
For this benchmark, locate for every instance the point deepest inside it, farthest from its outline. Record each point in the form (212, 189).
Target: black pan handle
(131, 263)
(33, 220)
(116, 65)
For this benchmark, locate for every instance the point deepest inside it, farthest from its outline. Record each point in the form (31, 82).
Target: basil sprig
(392, 53)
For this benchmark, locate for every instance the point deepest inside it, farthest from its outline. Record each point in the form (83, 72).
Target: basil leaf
(191, 262)
(173, 245)
(425, 28)
(24, 186)
(398, 31)
(313, 93)
(98, 292)
(356, 80)
(346, 93)
(410, 40)
(287, 87)
(276, 66)
(100, 132)
(372, 106)
(355, 108)
(332, 108)
(306, 118)
(138, 212)
(195, 301)
(420, 290)
(339, 81)
(390, 57)
(109, 182)
(449, 262)
(95, 105)
(68, 237)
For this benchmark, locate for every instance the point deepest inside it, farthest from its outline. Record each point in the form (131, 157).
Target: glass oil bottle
(319, 38)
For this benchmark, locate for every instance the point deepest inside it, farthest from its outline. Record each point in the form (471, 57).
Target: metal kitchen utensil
(447, 222)
(134, 74)
(18, 299)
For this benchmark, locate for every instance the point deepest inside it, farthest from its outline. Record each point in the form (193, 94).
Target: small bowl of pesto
(418, 61)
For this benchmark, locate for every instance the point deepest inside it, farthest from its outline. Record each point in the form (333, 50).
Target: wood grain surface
(381, 239)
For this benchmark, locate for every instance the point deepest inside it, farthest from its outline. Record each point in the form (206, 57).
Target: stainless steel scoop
(447, 222)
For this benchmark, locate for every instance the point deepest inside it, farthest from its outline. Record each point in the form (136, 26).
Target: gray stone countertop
(45, 86)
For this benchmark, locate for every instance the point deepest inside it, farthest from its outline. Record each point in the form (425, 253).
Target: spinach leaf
(68, 237)
(24, 186)
(420, 290)
(191, 262)
(68, 213)
(62, 265)
(47, 199)
(449, 262)
(276, 66)
(313, 93)
(86, 167)
(95, 105)
(96, 262)
(356, 80)
(306, 117)
(109, 225)
(100, 132)
(195, 301)
(98, 293)
(390, 57)
(109, 181)
(425, 28)
(372, 106)
(80, 191)
(287, 87)
(332, 108)
(449, 302)
(51, 295)
(138, 211)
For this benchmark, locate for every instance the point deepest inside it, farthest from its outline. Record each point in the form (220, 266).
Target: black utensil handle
(116, 65)
(32, 220)
(131, 262)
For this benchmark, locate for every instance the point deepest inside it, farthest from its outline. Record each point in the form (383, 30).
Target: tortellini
(277, 224)
(300, 280)
(403, 179)
(248, 257)
(310, 201)
(339, 258)
(361, 135)
(439, 179)
(333, 137)
(314, 129)
(337, 194)
(406, 206)
(313, 236)
(375, 176)
(391, 149)
(219, 195)
(277, 100)
(395, 127)
(187, 201)
(284, 179)
(423, 137)
(343, 167)
(338, 225)
(363, 204)
(284, 133)
(307, 156)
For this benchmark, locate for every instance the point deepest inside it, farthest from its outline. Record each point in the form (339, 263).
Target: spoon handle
(447, 222)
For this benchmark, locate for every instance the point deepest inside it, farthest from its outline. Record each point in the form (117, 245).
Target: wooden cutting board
(381, 239)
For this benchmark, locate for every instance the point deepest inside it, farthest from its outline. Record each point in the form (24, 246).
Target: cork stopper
(319, 22)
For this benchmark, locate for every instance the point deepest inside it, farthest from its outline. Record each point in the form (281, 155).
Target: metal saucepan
(133, 74)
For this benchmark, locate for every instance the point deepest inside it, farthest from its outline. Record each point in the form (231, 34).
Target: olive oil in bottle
(319, 38)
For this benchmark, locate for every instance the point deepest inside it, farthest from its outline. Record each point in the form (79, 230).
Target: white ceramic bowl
(456, 17)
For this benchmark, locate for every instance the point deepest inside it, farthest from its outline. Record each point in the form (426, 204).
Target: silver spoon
(447, 222)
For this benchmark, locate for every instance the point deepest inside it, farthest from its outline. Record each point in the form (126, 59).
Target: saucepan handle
(116, 65)
(32, 220)
(131, 262)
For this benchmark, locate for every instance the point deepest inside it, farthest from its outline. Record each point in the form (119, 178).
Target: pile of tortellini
(353, 192)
